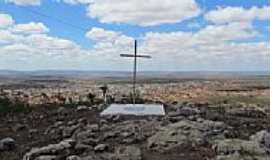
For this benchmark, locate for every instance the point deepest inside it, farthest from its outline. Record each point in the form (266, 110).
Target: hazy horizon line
(78, 70)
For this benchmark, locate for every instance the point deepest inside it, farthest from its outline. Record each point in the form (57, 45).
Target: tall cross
(135, 56)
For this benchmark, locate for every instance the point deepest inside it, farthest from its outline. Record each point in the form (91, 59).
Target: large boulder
(50, 150)
(257, 147)
(231, 146)
(7, 144)
(129, 132)
(262, 137)
(187, 111)
(236, 149)
(184, 132)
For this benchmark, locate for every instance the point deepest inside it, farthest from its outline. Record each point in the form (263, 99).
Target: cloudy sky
(180, 35)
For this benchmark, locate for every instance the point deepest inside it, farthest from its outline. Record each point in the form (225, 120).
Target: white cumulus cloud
(5, 20)
(78, 1)
(214, 47)
(30, 28)
(207, 49)
(238, 14)
(6, 37)
(143, 12)
(109, 44)
(99, 34)
(25, 2)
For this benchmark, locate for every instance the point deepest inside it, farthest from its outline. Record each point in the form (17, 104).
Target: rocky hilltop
(206, 119)
(189, 131)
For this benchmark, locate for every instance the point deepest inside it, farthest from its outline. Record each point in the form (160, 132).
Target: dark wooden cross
(135, 56)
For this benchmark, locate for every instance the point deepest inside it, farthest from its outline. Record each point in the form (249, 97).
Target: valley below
(207, 118)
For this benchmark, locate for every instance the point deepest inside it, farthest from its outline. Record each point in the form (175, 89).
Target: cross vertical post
(135, 56)
(135, 72)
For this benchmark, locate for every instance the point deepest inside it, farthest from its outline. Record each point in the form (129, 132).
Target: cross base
(134, 109)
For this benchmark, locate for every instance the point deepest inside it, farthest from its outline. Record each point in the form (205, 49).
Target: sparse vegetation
(6, 106)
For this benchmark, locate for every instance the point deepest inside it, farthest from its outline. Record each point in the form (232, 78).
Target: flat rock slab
(137, 110)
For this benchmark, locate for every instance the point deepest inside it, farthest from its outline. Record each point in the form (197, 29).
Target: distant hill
(123, 74)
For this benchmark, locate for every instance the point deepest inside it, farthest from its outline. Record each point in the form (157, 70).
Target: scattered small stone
(93, 127)
(109, 135)
(84, 135)
(128, 140)
(116, 118)
(101, 147)
(90, 141)
(46, 158)
(58, 123)
(82, 108)
(73, 157)
(126, 134)
(82, 147)
(71, 123)
(67, 132)
(129, 153)
(88, 158)
(33, 131)
(18, 127)
(61, 110)
(82, 120)
(103, 122)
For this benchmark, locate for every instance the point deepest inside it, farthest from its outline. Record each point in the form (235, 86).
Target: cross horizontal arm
(139, 56)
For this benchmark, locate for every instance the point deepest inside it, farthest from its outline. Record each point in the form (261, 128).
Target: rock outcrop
(49, 151)
(237, 149)
(183, 132)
